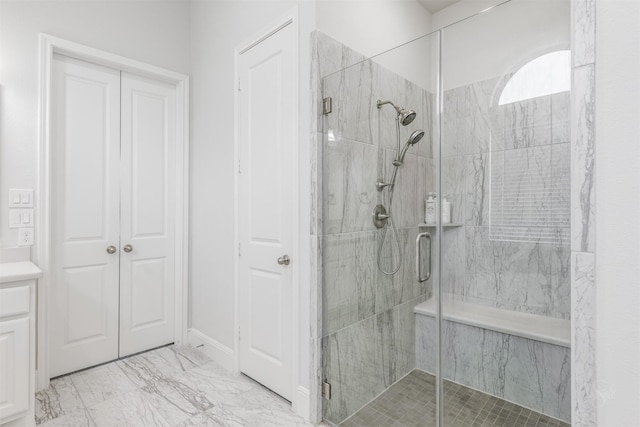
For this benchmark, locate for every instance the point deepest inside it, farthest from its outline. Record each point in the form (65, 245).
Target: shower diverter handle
(419, 276)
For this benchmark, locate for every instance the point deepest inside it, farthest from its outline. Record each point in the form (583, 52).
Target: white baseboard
(217, 351)
(301, 402)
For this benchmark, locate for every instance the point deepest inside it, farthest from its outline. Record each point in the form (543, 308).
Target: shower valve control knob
(284, 260)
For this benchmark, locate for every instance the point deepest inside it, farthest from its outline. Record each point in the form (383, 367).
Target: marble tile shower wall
(481, 139)
(368, 336)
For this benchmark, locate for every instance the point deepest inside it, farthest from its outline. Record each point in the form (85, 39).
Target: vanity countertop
(17, 271)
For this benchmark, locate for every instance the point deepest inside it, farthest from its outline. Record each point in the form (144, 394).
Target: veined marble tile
(561, 191)
(146, 369)
(561, 117)
(453, 175)
(317, 169)
(583, 13)
(392, 290)
(452, 143)
(210, 385)
(206, 419)
(527, 372)
(453, 257)
(328, 56)
(477, 197)
(316, 286)
(349, 175)
(354, 103)
(256, 408)
(526, 124)
(184, 357)
(583, 303)
(362, 360)
(517, 276)
(350, 273)
(407, 210)
(76, 419)
(59, 399)
(131, 409)
(583, 160)
(101, 383)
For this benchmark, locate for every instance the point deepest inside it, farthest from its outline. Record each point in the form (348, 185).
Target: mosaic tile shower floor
(174, 386)
(412, 402)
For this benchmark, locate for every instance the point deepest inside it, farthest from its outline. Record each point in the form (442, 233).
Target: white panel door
(148, 214)
(266, 137)
(85, 150)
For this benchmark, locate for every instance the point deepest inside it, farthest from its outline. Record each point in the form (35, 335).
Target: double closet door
(113, 211)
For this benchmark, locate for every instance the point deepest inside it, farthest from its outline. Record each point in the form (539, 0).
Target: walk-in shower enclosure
(492, 323)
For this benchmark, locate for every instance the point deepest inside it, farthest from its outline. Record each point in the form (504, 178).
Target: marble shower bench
(520, 357)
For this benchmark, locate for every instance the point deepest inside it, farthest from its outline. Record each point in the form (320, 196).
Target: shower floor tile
(411, 402)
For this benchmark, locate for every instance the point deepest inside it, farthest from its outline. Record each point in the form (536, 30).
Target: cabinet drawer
(14, 301)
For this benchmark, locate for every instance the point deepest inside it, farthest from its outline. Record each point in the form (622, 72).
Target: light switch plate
(19, 218)
(25, 236)
(20, 198)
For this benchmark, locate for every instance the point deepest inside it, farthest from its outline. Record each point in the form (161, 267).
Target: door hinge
(326, 390)
(326, 105)
(239, 249)
(239, 170)
(239, 84)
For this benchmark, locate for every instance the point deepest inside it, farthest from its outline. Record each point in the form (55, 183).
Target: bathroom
(514, 308)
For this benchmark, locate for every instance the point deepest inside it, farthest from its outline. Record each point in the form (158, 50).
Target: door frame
(48, 46)
(289, 18)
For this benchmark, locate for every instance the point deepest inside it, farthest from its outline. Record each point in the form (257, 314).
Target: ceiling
(434, 6)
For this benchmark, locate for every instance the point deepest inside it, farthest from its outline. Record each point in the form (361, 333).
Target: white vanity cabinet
(17, 343)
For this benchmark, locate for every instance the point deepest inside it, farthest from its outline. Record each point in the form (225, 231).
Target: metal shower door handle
(419, 276)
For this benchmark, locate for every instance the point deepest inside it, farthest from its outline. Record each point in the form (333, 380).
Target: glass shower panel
(505, 294)
(376, 151)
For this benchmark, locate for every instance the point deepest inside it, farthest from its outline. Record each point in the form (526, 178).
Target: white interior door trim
(48, 46)
(289, 18)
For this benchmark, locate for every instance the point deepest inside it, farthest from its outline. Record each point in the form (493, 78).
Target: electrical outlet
(25, 236)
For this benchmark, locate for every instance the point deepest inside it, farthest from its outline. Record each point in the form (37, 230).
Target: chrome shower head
(413, 140)
(415, 137)
(404, 116)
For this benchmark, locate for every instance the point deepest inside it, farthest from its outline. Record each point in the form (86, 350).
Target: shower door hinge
(239, 249)
(326, 105)
(239, 84)
(326, 390)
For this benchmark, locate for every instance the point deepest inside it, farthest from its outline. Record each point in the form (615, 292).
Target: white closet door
(266, 137)
(148, 214)
(85, 150)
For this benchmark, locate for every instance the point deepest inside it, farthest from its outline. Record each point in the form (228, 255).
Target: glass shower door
(504, 168)
(377, 169)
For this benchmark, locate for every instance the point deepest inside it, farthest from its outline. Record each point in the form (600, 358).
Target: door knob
(127, 248)
(284, 260)
(111, 249)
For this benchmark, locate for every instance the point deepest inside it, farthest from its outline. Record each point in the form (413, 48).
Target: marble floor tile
(131, 409)
(101, 383)
(61, 398)
(80, 418)
(184, 356)
(145, 369)
(174, 386)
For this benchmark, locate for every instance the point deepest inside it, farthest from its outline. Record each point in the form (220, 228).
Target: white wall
(617, 181)
(373, 26)
(489, 45)
(217, 29)
(152, 32)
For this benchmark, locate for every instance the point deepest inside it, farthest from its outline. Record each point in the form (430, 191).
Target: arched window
(545, 75)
